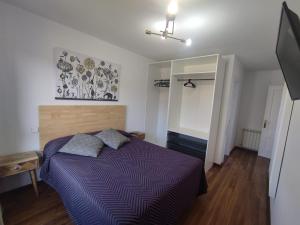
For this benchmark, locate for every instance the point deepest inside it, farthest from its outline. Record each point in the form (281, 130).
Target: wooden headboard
(63, 120)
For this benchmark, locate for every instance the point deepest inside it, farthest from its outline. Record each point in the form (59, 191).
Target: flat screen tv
(288, 50)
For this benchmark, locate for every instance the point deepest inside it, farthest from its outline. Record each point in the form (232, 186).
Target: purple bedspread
(140, 183)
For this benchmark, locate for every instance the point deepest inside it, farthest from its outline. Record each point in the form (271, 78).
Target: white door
(270, 121)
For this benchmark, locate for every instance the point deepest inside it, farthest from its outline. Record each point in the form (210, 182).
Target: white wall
(254, 97)
(157, 104)
(285, 208)
(196, 106)
(281, 131)
(233, 81)
(236, 94)
(2, 81)
(28, 78)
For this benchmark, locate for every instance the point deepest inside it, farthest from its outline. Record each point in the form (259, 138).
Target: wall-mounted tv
(288, 50)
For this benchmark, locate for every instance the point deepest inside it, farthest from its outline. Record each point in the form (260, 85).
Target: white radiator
(251, 139)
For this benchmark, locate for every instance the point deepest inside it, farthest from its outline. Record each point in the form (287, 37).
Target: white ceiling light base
(170, 24)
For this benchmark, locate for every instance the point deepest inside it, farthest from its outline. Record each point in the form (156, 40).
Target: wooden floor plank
(237, 195)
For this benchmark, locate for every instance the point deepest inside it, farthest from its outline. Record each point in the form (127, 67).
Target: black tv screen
(288, 50)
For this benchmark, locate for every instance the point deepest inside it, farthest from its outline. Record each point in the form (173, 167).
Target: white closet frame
(196, 67)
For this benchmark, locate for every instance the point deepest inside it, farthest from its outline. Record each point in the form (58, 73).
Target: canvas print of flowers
(81, 77)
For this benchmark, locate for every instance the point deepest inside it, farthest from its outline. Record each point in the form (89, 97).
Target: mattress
(140, 183)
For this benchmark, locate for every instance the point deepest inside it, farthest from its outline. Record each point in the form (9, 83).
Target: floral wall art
(81, 77)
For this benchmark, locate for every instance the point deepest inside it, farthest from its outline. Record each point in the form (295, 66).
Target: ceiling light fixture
(172, 8)
(188, 42)
(168, 31)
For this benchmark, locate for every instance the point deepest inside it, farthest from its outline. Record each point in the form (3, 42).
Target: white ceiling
(247, 28)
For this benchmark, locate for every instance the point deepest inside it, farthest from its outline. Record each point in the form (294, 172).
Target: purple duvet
(140, 183)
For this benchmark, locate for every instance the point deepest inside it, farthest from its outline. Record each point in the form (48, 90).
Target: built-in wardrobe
(184, 103)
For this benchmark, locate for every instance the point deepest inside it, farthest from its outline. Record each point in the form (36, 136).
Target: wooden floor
(237, 195)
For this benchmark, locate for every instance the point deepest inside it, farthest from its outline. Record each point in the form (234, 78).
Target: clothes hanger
(190, 84)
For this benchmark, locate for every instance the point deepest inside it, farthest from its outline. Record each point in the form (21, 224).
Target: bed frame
(63, 120)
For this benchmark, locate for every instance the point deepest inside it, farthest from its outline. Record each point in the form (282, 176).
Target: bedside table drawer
(8, 170)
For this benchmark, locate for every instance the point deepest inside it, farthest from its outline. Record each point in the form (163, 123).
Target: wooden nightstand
(137, 134)
(19, 163)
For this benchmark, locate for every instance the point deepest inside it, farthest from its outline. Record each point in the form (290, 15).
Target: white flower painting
(81, 77)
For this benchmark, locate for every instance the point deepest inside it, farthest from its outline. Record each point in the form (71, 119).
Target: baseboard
(228, 154)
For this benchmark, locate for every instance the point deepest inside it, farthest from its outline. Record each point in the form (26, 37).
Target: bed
(140, 183)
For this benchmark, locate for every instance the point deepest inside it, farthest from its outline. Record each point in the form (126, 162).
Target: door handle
(265, 123)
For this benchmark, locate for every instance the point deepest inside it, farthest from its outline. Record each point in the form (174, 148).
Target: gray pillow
(83, 144)
(112, 138)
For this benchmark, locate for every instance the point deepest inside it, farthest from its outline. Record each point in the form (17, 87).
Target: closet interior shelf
(202, 73)
(195, 79)
(162, 83)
